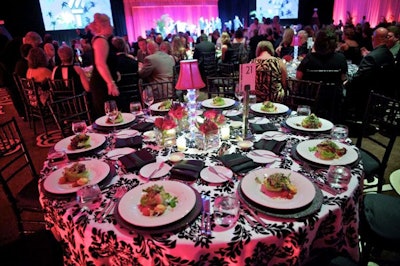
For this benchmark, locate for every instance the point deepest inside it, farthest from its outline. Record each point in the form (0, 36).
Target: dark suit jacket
(203, 47)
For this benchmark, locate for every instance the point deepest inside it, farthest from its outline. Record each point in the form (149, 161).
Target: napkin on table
(136, 160)
(143, 126)
(261, 128)
(187, 170)
(133, 142)
(270, 145)
(238, 163)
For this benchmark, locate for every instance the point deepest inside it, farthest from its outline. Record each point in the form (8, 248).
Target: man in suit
(204, 46)
(375, 72)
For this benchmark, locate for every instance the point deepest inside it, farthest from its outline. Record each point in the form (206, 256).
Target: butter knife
(212, 170)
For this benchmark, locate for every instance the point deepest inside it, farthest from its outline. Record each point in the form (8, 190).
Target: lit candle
(181, 143)
(225, 132)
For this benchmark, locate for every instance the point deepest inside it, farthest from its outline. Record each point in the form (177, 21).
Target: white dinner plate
(231, 112)
(295, 122)
(151, 119)
(149, 135)
(259, 120)
(98, 170)
(116, 153)
(210, 177)
(266, 156)
(146, 170)
(127, 118)
(129, 210)
(252, 189)
(96, 140)
(395, 180)
(275, 135)
(280, 108)
(209, 103)
(349, 157)
(155, 107)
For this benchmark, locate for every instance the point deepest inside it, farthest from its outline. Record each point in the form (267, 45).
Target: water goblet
(111, 110)
(148, 99)
(339, 132)
(135, 108)
(239, 93)
(226, 210)
(339, 176)
(89, 197)
(303, 110)
(79, 127)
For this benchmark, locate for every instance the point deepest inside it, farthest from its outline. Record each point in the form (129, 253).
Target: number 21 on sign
(248, 75)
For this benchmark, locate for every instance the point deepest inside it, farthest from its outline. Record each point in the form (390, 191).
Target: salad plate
(96, 140)
(295, 123)
(148, 169)
(127, 118)
(220, 174)
(262, 156)
(156, 107)
(209, 103)
(98, 170)
(280, 108)
(303, 149)
(252, 189)
(128, 207)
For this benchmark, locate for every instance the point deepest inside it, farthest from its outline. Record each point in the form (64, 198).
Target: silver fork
(119, 192)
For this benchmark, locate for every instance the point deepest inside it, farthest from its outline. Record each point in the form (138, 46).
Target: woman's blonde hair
(265, 46)
(100, 22)
(225, 38)
(287, 36)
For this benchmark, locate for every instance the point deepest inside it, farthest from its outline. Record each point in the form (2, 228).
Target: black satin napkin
(187, 170)
(239, 117)
(238, 163)
(270, 145)
(143, 126)
(133, 142)
(136, 160)
(261, 128)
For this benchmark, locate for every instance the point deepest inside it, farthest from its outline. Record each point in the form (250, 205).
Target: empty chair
(302, 92)
(161, 90)
(15, 166)
(21, 94)
(35, 98)
(208, 64)
(380, 127)
(221, 86)
(62, 88)
(67, 110)
(128, 87)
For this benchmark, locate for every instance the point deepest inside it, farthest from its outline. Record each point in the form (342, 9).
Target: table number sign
(247, 76)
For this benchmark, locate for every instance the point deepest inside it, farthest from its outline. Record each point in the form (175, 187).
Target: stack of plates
(186, 211)
(306, 201)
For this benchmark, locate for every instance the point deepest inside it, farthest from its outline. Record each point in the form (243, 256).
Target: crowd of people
(268, 44)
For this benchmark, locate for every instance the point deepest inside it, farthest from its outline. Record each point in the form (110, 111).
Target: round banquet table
(282, 240)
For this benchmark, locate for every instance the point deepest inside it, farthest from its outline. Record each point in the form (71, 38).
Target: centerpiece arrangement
(165, 131)
(215, 116)
(210, 134)
(180, 114)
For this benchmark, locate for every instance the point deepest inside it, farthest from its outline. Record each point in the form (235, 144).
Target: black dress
(98, 86)
(71, 75)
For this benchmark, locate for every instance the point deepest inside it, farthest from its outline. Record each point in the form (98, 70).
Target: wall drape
(373, 10)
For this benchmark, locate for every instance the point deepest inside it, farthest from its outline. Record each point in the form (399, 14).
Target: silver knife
(212, 170)
(156, 170)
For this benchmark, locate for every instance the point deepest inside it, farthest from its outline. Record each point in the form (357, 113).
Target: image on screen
(71, 14)
(285, 9)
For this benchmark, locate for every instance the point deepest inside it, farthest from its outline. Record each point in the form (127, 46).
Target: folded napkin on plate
(239, 117)
(261, 128)
(270, 145)
(133, 142)
(143, 126)
(238, 163)
(187, 170)
(135, 160)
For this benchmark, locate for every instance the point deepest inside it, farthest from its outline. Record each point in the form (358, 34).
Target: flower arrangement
(208, 127)
(215, 117)
(288, 58)
(177, 111)
(164, 123)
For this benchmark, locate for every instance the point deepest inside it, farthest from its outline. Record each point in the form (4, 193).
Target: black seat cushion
(371, 164)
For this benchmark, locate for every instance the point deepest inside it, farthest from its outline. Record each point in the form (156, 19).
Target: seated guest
(37, 65)
(142, 51)
(126, 62)
(68, 70)
(272, 89)
(178, 50)
(204, 46)
(286, 45)
(303, 46)
(21, 66)
(50, 51)
(226, 48)
(375, 72)
(326, 65)
(350, 47)
(394, 39)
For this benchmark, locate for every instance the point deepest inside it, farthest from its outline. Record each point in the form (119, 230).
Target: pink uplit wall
(373, 10)
(142, 15)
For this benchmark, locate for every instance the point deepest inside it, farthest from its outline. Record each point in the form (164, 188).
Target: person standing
(104, 75)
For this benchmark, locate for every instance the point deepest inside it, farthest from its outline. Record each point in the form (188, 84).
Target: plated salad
(277, 185)
(155, 201)
(311, 121)
(328, 150)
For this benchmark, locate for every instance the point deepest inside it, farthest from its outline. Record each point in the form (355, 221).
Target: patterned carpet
(52, 138)
(5, 99)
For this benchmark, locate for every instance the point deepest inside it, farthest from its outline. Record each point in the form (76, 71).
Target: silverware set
(119, 193)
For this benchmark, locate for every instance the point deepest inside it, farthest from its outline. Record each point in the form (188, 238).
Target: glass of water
(135, 108)
(89, 196)
(339, 176)
(303, 110)
(340, 132)
(226, 210)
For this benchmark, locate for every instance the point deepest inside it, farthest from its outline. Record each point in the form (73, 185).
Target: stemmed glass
(148, 99)
(79, 127)
(239, 93)
(111, 110)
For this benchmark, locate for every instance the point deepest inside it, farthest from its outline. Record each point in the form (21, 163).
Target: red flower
(288, 58)
(208, 126)
(215, 116)
(177, 111)
(164, 123)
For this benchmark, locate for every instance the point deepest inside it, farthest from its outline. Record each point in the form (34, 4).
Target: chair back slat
(302, 92)
(222, 86)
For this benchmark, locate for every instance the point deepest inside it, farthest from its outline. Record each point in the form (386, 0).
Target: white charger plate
(349, 157)
(295, 123)
(280, 108)
(129, 210)
(96, 140)
(209, 103)
(252, 189)
(127, 118)
(98, 170)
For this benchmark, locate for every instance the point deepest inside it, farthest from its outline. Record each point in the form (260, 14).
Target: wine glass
(135, 108)
(79, 127)
(111, 110)
(148, 98)
(303, 110)
(239, 93)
